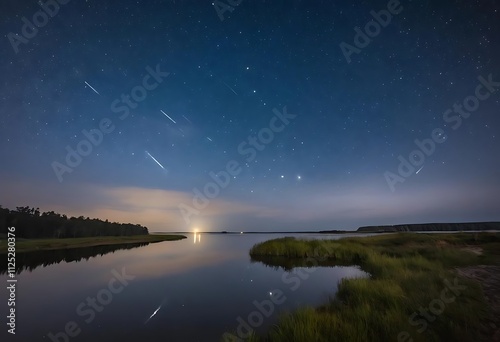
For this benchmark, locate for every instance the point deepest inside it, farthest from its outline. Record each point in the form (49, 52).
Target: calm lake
(190, 290)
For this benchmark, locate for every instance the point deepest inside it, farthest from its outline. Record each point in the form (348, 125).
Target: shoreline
(34, 245)
(408, 271)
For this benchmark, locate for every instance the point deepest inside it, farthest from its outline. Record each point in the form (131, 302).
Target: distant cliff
(426, 227)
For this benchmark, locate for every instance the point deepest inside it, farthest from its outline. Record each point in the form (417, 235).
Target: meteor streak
(154, 313)
(157, 162)
(419, 170)
(168, 116)
(230, 88)
(92, 88)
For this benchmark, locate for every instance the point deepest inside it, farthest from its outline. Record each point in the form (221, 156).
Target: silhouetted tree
(30, 223)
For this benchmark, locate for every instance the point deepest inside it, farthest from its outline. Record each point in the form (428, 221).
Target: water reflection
(197, 237)
(288, 264)
(31, 260)
(182, 290)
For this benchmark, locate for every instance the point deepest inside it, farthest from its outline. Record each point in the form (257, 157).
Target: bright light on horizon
(197, 236)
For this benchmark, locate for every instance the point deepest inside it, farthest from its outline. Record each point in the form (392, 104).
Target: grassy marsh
(409, 273)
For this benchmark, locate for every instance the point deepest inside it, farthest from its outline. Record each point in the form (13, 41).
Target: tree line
(30, 223)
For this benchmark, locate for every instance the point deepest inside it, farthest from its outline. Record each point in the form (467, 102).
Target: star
(182, 89)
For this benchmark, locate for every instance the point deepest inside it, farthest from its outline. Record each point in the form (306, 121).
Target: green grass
(407, 272)
(25, 245)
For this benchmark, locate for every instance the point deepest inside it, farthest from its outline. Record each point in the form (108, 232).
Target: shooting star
(230, 88)
(157, 162)
(168, 116)
(209, 139)
(154, 313)
(92, 88)
(187, 119)
(419, 170)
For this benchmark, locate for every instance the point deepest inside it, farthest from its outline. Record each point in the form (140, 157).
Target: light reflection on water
(188, 290)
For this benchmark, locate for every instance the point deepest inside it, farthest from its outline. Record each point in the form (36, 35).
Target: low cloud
(155, 208)
(314, 207)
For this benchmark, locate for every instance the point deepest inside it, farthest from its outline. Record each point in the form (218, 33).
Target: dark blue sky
(430, 71)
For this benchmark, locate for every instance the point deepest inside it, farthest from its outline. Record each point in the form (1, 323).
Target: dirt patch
(473, 249)
(441, 243)
(489, 277)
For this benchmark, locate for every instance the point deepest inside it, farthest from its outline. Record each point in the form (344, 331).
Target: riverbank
(416, 290)
(31, 245)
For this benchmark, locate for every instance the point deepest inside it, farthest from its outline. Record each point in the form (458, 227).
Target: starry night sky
(227, 79)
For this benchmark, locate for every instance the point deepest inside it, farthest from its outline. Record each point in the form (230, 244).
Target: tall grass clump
(407, 272)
